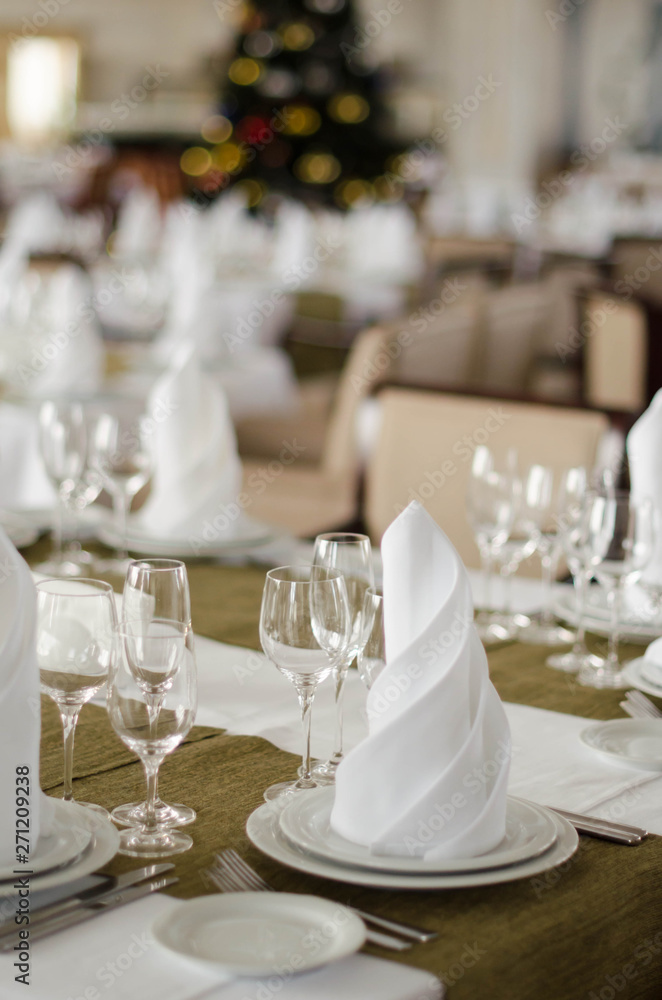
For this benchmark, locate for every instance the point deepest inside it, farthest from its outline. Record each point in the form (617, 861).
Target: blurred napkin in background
(139, 224)
(24, 485)
(20, 716)
(644, 451)
(430, 778)
(197, 471)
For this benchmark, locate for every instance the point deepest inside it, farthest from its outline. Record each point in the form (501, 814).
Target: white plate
(629, 741)
(65, 843)
(259, 933)
(305, 823)
(103, 846)
(633, 673)
(20, 529)
(246, 533)
(264, 832)
(630, 631)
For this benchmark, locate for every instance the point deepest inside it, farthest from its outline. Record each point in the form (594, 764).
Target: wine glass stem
(306, 696)
(121, 505)
(614, 631)
(151, 767)
(341, 677)
(547, 561)
(580, 583)
(486, 558)
(58, 529)
(69, 716)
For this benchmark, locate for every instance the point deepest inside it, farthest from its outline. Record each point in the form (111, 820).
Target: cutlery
(634, 711)
(605, 829)
(643, 703)
(234, 865)
(97, 894)
(70, 919)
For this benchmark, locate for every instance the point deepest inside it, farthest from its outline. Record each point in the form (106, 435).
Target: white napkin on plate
(24, 484)
(651, 668)
(430, 778)
(197, 470)
(644, 450)
(20, 715)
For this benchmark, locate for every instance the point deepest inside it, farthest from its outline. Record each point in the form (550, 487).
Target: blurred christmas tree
(301, 108)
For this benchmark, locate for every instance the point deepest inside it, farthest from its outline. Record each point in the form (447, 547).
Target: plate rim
(640, 764)
(637, 634)
(80, 853)
(354, 925)
(326, 792)
(565, 846)
(632, 673)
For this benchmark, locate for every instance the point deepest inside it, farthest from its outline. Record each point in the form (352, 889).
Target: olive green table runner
(591, 928)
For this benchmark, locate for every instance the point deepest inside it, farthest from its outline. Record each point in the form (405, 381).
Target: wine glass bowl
(372, 655)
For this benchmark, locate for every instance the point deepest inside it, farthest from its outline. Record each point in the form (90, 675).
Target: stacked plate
(640, 622)
(645, 675)
(77, 842)
(300, 836)
(244, 533)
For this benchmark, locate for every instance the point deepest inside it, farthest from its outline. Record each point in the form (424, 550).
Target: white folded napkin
(20, 715)
(37, 224)
(430, 778)
(651, 668)
(67, 356)
(644, 450)
(24, 484)
(197, 471)
(117, 958)
(138, 224)
(384, 239)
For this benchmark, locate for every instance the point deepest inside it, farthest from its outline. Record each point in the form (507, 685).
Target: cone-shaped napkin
(644, 449)
(20, 718)
(430, 779)
(197, 471)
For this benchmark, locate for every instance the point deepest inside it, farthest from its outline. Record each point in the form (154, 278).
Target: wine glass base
(93, 807)
(572, 663)
(136, 843)
(540, 634)
(324, 772)
(134, 813)
(491, 631)
(602, 677)
(286, 790)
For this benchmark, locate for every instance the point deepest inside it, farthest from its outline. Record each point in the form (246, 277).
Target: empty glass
(152, 701)
(157, 588)
(492, 501)
(121, 456)
(352, 555)
(621, 536)
(372, 654)
(305, 629)
(63, 447)
(75, 622)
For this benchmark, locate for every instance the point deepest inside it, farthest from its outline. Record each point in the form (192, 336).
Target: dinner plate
(630, 741)
(594, 621)
(633, 672)
(264, 832)
(21, 531)
(103, 846)
(63, 845)
(246, 533)
(259, 933)
(305, 823)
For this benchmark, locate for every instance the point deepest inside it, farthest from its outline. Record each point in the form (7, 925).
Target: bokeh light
(297, 36)
(228, 156)
(354, 192)
(300, 119)
(195, 161)
(317, 168)
(217, 128)
(348, 108)
(252, 190)
(245, 72)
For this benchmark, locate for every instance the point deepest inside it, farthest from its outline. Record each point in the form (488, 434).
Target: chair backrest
(442, 348)
(426, 444)
(515, 318)
(615, 353)
(367, 364)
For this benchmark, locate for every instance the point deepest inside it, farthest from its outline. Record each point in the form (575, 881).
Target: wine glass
(352, 555)
(514, 551)
(75, 621)
(63, 444)
(157, 588)
(492, 501)
(123, 460)
(621, 538)
(305, 629)
(539, 516)
(372, 654)
(152, 701)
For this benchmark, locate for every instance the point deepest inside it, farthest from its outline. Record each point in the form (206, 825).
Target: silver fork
(234, 867)
(639, 706)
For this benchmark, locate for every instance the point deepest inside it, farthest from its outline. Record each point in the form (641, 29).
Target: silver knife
(87, 897)
(63, 921)
(595, 827)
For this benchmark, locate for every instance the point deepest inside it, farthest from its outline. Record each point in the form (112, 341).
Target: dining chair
(426, 444)
(615, 353)
(515, 319)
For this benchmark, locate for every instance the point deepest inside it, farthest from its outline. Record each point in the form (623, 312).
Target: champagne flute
(621, 538)
(352, 555)
(305, 629)
(372, 655)
(492, 501)
(157, 588)
(152, 701)
(122, 458)
(75, 622)
(63, 444)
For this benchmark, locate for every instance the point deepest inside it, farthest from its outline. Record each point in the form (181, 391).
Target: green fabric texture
(584, 930)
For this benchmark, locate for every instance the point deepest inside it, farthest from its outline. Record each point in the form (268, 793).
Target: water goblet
(372, 654)
(75, 622)
(63, 445)
(305, 629)
(352, 555)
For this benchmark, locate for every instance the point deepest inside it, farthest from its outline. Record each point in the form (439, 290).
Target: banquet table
(589, 928)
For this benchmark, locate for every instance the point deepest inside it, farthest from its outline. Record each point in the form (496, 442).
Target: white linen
(138, 224)
(24, 485)
(20, 715)
(197, 469)
(435, 719)
(117, 958)
(644, 450)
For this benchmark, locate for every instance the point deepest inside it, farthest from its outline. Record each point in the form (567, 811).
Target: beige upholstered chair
(441, 349)
(307, 499)
(515, 321)
(427, 441)
(615, 353)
